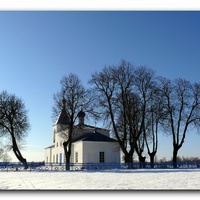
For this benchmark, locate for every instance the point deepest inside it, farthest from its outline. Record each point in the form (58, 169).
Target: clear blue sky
(38, 48)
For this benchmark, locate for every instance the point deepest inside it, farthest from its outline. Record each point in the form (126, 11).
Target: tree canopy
(14, 122)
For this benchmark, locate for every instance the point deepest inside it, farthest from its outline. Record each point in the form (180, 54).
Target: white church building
(89, 144)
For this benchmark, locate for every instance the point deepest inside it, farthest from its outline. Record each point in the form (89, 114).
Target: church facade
(89, 144)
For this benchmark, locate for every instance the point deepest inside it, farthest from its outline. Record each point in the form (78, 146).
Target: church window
(64, 159)
(101, 157)
(56, 158)
(76, 157)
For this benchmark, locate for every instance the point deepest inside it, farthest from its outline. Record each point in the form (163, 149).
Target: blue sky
(37, 48)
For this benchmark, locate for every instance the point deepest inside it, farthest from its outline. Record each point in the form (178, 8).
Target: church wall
(48, 154)
(88, 152)
(77, 149)
(58, 150)
(91, 151)
(55, 154)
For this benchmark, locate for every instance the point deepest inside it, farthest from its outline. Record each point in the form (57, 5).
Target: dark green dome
(81, 114)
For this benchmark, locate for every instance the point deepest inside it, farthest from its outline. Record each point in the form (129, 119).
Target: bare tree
(128, 123)
(113, 88)
(6, 158)
(14, 122)
(146, 87)
(124, 94)
(154, 116)
(3, 154)
(73, 97)
(182, 106)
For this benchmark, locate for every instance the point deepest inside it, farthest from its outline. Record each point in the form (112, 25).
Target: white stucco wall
(55, 154)
(88, 152)
(91, 152)
(48, 154)
(77, 147)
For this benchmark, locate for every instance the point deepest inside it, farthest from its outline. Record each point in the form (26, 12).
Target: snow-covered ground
(151, 179)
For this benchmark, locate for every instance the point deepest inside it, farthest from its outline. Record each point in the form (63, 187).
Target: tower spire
(63, 103)
(63, 117)
(63, 100)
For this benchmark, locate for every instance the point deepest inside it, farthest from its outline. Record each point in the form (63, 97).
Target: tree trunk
(140, 157)
(67, 165)
(142, 161)
(67, 150)
(66, 156)
(175, 153)
(18, 153)
(129, 160)
(152, 155)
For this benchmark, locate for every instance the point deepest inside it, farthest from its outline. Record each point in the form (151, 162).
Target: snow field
(170, 179)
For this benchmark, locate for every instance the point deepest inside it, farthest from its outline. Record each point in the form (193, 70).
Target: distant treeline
(181, 159)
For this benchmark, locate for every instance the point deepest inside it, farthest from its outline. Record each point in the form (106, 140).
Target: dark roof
(50, 146)
(63, 118)
(95, 137)
(89, 126)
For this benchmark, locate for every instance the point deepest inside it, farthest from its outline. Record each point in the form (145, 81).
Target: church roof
(52, 146)
(89, 127)
(95, 137)
(63, 118)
